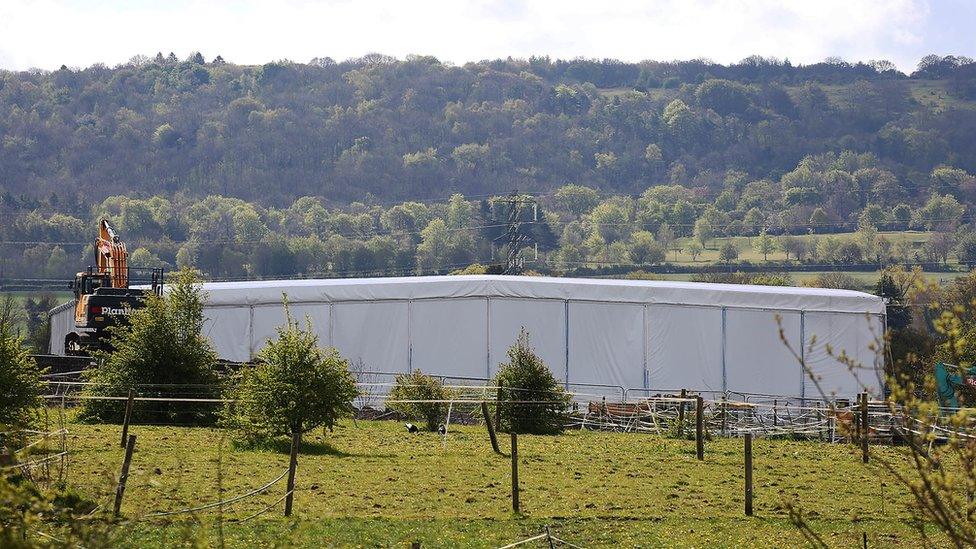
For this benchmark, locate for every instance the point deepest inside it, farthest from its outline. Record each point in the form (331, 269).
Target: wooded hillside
(233, 166)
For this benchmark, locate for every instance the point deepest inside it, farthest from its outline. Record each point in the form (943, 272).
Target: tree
(941, 213)
(966, 250)
(162, 345)
(20, 378)
(432, 251)
(533, 400)
(653, 155)
(793, 245)
(293, 387)
(764, 245)
(704, 231)
(873, 216)
(577, 199)
(723, 96)
(665, 235)
(38, 323)
(694, 249)
(418, 386)
(729, 252)
(644, 249)
(902, 215)
(939, 246)
(835, 280)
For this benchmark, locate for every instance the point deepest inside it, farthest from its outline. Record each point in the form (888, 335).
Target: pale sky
(48, 33)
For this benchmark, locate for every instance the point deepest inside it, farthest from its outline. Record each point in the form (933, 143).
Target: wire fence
(596, 407)
(663, 413)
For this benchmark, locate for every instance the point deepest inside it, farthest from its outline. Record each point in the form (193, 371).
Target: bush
(533, 401)
(20, 379)
(28, 511)
(294, 387)
(162, 349)
(420, 386)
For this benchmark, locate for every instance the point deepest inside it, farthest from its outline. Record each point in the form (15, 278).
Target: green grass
(375, 485)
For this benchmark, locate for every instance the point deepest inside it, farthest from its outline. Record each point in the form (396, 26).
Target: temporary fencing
(600, 407)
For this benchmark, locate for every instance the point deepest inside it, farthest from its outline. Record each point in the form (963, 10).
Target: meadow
(370, 483)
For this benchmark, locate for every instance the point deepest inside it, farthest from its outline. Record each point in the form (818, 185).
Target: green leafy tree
(729, 252)
(433, 248)
(20, 378)
(793, 245)
(644, 249)
(577, 199)
(162, 349)
(764, 244)
(704, 231)
(941, 213)
(294, 386)
(873, 215)
(695, 249)
(612, 220)
(418, 386)
(902, 214)
(533, 401)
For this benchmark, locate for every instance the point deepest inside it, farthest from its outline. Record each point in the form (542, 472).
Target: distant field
(372, 484)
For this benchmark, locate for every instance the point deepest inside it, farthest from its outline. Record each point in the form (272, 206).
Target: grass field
(372, 484)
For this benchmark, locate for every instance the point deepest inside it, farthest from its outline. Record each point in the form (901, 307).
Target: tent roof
(260, 292)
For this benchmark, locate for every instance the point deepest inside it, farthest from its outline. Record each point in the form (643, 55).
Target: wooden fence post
(700, 427)
(864, 427)
(681, 413)
(498, 408)
(120, 489)
(725, 416)
(296, 441)
(515, 482)
(748, 465)
(125, 419)
(491, 428)
(775, 413)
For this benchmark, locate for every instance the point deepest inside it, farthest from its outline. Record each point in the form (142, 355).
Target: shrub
(420, 386)
(163, 349)
(294, 387)
(28, 511)
(20, 379)
(533, 401)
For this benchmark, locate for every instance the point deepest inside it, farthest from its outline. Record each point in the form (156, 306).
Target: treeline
(574, 228)
(378, 165)
(388, 129)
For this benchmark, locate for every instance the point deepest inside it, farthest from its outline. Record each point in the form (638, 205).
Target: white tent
(638, 336)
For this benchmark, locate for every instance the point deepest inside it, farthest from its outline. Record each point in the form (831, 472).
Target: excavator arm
(111, 257)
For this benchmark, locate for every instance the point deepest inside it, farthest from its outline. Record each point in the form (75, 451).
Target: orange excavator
(103, 297)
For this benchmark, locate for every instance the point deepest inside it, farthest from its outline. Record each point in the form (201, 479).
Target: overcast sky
(49, 33)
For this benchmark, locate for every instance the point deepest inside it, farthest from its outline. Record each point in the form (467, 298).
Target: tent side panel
(847, 333)
(606, 344)
(756, 360)
(544, 320)
(62, 322)
(449, 337)
(228, 329)
(267, 319)
(374, 333)
(685, 348)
